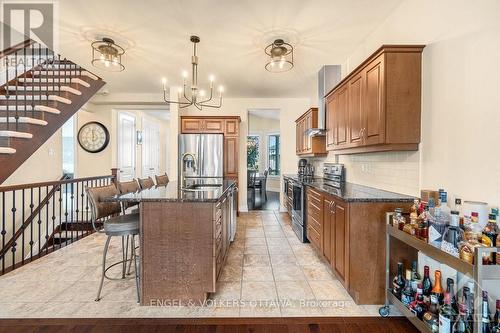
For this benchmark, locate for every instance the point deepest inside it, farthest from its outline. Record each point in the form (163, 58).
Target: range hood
(328, 77)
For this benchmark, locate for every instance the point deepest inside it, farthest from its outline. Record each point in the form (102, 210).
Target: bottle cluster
(441, 308)
(449, 230)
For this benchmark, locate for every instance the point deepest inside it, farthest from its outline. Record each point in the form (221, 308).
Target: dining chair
(162, 180)
(261, 184)
(113, 224)
(146, 183)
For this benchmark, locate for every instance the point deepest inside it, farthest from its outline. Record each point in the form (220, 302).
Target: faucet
(187, 160)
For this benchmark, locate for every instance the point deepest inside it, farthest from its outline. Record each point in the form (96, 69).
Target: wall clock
(93, 137)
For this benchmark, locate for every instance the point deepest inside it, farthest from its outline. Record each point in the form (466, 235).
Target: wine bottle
(496, 318)
(486, 317)
(399, 282)
(437, 290)
(450, 289)
(415, 277)
(446, 315)
(407, 295)
(419, 307)
(431, 316)
(426, 285)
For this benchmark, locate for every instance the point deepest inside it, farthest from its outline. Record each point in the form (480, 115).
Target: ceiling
(233, 36)
(265, 113)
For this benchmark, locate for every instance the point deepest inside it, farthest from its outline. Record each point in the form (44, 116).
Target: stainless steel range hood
(328, 77)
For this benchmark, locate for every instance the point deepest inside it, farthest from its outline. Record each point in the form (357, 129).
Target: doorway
(263, 159)
(126, 146)
(150, 148)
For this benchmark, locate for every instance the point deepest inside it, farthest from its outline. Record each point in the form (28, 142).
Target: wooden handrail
(51, 183)
(17, 47)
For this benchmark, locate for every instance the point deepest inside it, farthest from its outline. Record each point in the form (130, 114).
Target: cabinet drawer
(315, 213)
(313, 237)
(314, 223)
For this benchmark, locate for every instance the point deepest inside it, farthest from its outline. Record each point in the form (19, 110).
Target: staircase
(41, 91)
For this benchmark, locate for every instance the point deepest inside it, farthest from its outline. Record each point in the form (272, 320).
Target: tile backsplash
(391, 171)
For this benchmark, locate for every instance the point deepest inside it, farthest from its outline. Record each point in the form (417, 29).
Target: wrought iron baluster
(3, 231)
(60, 214)
(59, 77)
(39, 223)
(13, 210)
(23, 198)
(53, 215)
(7, 95)
(82, 219)
(47, 220)
(31, 224)
(66, 213)
(72, 210)
(77, 211)
(87, 210)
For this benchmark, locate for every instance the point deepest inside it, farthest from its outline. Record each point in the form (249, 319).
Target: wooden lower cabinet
(351, 238)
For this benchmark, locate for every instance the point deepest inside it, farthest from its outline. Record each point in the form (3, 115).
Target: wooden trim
(50, 183)
(377, 148)
(212, 117)
(386, 48)
(306, 113)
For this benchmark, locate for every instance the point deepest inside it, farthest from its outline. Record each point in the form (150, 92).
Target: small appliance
(334, 176)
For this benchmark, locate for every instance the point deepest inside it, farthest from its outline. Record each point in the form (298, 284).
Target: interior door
(126, 146)
(150, 148)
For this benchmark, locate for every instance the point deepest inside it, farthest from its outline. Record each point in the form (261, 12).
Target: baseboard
(244, 208)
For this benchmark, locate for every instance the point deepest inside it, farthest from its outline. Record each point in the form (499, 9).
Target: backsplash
(391, 171)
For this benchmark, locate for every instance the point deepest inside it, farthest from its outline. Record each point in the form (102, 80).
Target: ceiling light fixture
(281, 56)
(197, 96)
(107, 55)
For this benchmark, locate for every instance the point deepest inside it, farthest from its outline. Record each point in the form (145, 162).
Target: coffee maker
(305, 170)
(302, 167)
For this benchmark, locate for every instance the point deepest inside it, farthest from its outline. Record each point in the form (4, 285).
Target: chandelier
(197, 97)
(280, 56)
(107, 55)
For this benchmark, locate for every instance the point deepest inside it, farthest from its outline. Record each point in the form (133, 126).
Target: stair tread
(15, 134)
(7, 150)
(24, 120)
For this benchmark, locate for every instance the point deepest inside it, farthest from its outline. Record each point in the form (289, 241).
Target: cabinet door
(231, 156)
(297, 137)
(340, 117)
(340, 241)
(232, 127)
(356, 119)
(373, 108)
(327, 229)
(331, 132)
(213, 126)
(189, 125)
(309, 122)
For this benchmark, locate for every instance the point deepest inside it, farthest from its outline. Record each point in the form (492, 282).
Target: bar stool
(162, 180)
(146, 183)
(129, 187)
(113, 224)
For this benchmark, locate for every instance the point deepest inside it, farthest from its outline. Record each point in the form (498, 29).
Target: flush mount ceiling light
(107, 55)
(280, 56)
(198, 97)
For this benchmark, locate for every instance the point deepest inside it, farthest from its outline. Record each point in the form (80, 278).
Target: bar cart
(478, 272)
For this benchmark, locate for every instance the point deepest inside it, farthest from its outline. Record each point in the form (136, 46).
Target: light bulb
(102, 56)
(184, 74)
(211, 78)
(221, 89)
(106, 63)
(179, 90)
(202, 93)
(164, 83)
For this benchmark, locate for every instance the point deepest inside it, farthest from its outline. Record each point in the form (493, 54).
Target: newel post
(114, 173)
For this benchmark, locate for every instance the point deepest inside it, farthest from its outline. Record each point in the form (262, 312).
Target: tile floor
(268, 273)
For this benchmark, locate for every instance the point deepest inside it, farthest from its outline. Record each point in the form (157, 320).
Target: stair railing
(40, 218)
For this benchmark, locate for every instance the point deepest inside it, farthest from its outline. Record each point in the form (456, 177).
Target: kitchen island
(184, 239)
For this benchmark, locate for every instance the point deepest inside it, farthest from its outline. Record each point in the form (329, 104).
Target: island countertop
(351, 192)
(172, 192)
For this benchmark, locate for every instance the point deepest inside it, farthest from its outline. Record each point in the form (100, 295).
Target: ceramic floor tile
(227, 291)
(283, 259)
(256, 260)
(294, 290)
(317, 272)
(329, 290)
(256, 249)
(258, 291)
(253, 273)
(288, 273)
(255, 241)
(231, 273)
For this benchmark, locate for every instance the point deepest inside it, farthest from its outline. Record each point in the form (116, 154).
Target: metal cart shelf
(478, 272)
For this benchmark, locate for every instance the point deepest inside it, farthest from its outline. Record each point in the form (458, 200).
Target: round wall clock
(93, 137)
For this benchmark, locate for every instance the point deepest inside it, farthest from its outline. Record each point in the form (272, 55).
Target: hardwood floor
(253, 325)
(259, 202)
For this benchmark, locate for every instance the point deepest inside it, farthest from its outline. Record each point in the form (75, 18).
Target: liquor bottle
(426, 285)
(461, 326)
(469, 308)
(450, 289)
(496, 319)
(398, 216)
(486, 317)
(437, 224)
(453, 235)
(475, 232)
(431, 316)
(437, 290)
(415, 277)
(447, 315)
(489, 238)
(419, 307)
(399, 282)
(407, 295)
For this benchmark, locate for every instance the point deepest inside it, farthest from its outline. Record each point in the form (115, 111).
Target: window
(68, 147)
(274, 155)
(253, 152)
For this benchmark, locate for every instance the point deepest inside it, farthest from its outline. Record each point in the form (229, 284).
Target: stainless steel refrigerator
(201, 158)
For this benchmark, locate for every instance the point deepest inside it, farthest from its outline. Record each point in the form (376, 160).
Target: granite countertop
(173, 193)
(351, 192)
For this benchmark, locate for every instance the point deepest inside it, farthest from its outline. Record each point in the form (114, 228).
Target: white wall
(263, 127)
(290, 109)
(460, 98)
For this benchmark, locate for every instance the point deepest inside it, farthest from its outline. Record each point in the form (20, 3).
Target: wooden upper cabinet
(305, 144)
(374, 126)
(232, 127)
(356, 118)
(213, 126)
(189, 125)
(378, 106)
